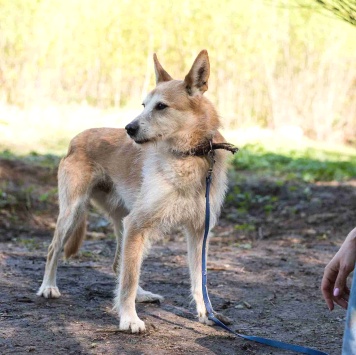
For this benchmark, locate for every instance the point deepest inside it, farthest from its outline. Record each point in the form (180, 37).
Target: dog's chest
(174, 190)
(181, 176)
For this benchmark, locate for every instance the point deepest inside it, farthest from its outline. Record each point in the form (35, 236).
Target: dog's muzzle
(132, 129)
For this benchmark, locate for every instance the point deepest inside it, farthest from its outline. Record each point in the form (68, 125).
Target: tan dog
(148, 179)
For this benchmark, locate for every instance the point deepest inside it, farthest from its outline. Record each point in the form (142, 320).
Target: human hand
(333, 285)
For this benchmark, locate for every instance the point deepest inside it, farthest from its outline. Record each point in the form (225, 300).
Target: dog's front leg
(131, 258)
(195, 245)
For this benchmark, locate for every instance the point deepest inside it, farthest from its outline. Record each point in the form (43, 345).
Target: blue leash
(209, 307)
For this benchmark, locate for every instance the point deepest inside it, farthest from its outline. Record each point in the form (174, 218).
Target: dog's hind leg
(118, 235)
(70, 222)
(143, 296)
(117, 218)
(73, 198)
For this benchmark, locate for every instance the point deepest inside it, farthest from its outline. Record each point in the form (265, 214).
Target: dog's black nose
(132, 129)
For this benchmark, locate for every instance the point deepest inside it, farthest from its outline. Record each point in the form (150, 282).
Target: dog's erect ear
(161, 74)
(196, 81)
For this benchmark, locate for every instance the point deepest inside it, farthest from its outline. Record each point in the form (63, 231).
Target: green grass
(22, 193)
(33, 158)
(307, 164)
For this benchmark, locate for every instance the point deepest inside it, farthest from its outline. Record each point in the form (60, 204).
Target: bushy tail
(76, 239)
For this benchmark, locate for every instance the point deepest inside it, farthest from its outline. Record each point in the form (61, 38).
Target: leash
(209, 307)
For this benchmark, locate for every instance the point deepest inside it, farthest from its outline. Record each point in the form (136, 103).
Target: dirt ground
(265, 267)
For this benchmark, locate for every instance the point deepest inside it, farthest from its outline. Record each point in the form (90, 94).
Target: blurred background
(281, 70)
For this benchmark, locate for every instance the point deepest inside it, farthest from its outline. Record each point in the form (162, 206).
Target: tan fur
(146, 183)
(75, 241)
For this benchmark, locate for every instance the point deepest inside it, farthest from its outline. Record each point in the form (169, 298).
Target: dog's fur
(147, 183)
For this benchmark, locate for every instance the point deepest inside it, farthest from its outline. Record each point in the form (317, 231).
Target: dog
(148, 178)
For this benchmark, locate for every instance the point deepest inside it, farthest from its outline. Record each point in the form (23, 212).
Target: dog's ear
(196, 81)
(161, 74)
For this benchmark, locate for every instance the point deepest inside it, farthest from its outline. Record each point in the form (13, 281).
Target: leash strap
(209, 307)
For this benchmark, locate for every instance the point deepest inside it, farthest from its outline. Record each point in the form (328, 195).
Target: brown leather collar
(207, 146)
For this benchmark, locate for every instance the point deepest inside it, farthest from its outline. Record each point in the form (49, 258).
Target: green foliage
(245, 227)
(344, 9)
(43, 160)
(11, 196)
(308, 165)
(17, 197)
(22, 194)
(30, 244)
(6, 199)
(45, 197)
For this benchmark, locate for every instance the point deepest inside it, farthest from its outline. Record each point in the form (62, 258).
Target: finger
(328, 299)
(341, 302)
(327, 291)
(341, 296)
(327, 286)
(329, 303)
(346, 294)
(347, 291)
(340, 283)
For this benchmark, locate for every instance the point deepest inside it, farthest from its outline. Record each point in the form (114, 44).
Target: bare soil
(265, 267)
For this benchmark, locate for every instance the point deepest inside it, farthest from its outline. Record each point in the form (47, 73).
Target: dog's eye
(143, 105)
(161, 106)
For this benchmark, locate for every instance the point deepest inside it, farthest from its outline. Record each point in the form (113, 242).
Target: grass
(306, 164)
(23, 193)
(287, 156)
(264, 178)
(263, 175)
(31, 244)
(43, 160)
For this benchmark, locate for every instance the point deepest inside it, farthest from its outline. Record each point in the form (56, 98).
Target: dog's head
(176, 110)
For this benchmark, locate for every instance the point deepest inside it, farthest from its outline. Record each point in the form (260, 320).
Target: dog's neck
(203, 150)
(204, 147)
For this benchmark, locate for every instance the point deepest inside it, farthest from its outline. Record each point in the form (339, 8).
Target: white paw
(143, 296)
(205, 320)
(49, 292)
(135, 324)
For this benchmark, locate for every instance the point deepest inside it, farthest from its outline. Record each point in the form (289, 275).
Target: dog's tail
(75, 241)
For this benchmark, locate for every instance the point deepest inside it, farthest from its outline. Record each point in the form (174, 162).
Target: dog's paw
(143, 296)
(205, 320)
(49, 292)
(133, 324)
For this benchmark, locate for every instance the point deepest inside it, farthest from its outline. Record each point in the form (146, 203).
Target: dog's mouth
(142, 141)
(147, 140)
